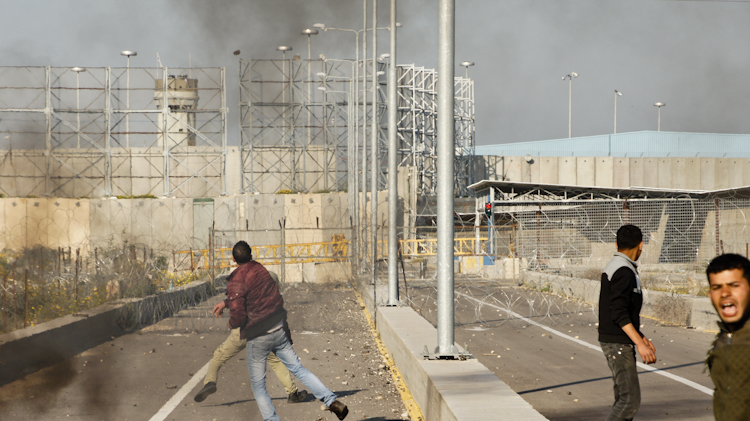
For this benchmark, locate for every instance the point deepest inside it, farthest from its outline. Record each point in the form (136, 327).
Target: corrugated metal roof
(633, 144)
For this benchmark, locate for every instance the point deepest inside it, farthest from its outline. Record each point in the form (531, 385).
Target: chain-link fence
(41, 284)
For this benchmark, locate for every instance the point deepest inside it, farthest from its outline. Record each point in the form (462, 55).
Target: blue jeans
(278, 343)
(621, 361)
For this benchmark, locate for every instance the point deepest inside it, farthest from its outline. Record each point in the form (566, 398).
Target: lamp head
(659, 104)
(320, 26)
(128, 53)
(467, 63)
(78, 69)
(618, 92)
(574, 74)
(309, 32)
(283, 48)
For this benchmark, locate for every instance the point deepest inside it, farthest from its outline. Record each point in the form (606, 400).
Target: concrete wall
(168, 224)
(666, 172)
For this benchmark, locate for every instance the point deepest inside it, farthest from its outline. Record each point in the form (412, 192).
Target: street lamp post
(374, 150)
(309, 33)
(570, 101)
(392, 167)
(355, 89)
(617, 93)
(284, 87)
(658, 124)
(467, 64)
(78, 71)
(283, 49)
(128, 54)
(359, 209)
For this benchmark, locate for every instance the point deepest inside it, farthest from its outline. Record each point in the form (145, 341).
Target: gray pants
(621, 361)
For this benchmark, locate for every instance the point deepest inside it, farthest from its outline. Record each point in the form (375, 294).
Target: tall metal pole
(392, 168)
(617, 93)
(446, 152)
(127, 106)
(355, 98)
(570, 101)
(363, 222)
(78, 108)
(78, 71)
(374, 146)
(658, 124)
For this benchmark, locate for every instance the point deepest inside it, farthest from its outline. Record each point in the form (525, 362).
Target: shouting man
(729, 359)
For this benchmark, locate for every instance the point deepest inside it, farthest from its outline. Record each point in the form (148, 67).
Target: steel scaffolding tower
(280, 151)
(417, 127)
(63, 131)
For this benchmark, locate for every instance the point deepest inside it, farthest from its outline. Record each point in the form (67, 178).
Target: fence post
(26, 298)
(78, 256)
(192, 261)
(5, 310)
(282, 225)
(211, 254)
(96, 260)
(717, 220)
(353, 247)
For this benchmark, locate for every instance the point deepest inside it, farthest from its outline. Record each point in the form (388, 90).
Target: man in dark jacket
(620, 301)
(729, 359)
(257, 308)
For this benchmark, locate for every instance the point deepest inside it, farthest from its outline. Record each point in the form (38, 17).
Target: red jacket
(254, 301)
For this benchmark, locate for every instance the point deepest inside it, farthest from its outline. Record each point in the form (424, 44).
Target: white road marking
(180, 395)
(682, 380)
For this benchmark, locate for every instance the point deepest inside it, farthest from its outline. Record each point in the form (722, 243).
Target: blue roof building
(631, 145)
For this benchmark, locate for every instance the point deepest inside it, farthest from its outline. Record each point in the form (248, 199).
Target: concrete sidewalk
(444, 390)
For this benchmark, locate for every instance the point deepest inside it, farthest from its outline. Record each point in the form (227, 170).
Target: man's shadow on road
(309, 398)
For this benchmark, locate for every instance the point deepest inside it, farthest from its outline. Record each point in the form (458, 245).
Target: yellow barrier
(330, 251)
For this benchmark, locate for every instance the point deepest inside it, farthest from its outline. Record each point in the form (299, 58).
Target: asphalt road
(135, 376)
(546, 350)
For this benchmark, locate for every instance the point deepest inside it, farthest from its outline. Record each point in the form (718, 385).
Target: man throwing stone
(729, 359)
(257, 308)
(620, 302)
(231, 347)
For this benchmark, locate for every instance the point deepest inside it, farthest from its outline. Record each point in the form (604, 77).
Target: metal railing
(327, 251)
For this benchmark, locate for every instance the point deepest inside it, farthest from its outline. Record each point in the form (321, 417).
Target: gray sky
(692, 55)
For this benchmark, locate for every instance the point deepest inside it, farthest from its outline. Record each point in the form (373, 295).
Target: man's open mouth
(728, 309)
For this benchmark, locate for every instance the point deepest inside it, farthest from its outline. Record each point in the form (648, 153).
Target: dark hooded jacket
(254, 301)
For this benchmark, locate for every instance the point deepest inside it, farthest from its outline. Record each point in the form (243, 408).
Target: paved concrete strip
(447, 390)
(415, 414)
(180, 395)
(682, 380)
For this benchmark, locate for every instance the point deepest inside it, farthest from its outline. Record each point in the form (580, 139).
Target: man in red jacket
(257, 308)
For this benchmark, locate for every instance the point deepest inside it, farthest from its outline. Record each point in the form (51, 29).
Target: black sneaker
(297, 396)
(208, 389)
(339, 409)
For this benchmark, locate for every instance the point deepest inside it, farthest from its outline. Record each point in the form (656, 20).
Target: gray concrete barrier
(28, 350)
